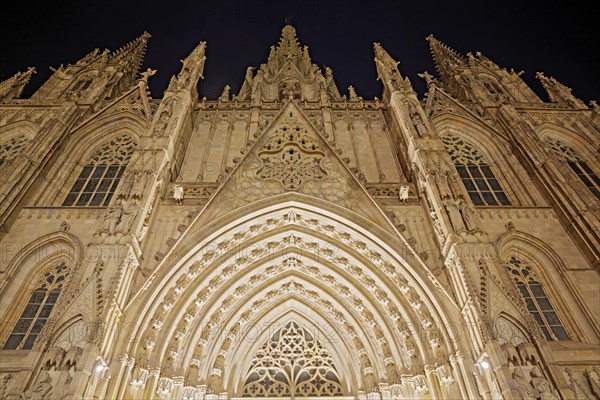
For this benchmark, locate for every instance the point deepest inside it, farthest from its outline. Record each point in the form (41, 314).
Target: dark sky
(559, 39)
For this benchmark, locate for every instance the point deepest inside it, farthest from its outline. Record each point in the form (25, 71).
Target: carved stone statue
(41, 389)
(403, 193)
(526, 392)
(452, 208)
(60, 390)
(178, 193)
(140, 179)
(429, 79)
(417, 120)
(540, 384)
(128, 213)
(468, 214)
(111, 219)
(147, 74)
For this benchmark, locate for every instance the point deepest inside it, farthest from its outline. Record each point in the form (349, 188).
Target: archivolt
(291, 256)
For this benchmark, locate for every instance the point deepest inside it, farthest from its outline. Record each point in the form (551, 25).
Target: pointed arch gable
(578, 142)
(15, 139)
(30, 262)
(78, 150)
(513, 331)
(494, 148)
(491, 143)
(554, 277)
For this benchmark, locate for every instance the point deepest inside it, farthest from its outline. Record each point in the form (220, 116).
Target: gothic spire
(286, 74)
(289, 49)
(191, 71)
(557, 92)
(446, 59)
(387, 70)
(13, 86)
(131, 56)
(384, 63)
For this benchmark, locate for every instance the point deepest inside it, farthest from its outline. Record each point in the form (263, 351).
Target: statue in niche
(139, 184)
(41, 389)
(163, 118)
(453, 211)
(540, 384)
(417, 120)
(526, 392)
(111, 219)
(59, 391)
(468, 214)
(128, 213)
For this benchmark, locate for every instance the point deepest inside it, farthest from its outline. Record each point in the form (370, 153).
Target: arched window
(100, 176)
(38, 309)
(538, 303)
(292, 363)
(475, 173)
(580, 167)
(10, 148)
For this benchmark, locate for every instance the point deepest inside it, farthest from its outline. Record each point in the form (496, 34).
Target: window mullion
(539, 310)
(474, 182)
(34, 320)
(100, 184)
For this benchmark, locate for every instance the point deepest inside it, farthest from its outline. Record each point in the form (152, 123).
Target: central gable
(292, 156)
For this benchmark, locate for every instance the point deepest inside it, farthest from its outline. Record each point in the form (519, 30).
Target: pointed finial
(13, 87)
(387, 68)
(557, 92)
(446, 59)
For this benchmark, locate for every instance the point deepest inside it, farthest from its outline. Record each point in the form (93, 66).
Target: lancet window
(100, 176)
(292, 363)
(38, 309)
(10, 148)
(475, 173)
(538, 302)
(580, 167)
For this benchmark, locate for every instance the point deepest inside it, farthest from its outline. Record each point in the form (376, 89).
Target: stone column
(151, 383)
(468, 374)
(126, 378)
(384, 389)
(458, 377)
(434, 386)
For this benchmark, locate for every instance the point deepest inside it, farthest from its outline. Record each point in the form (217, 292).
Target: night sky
(559, 39)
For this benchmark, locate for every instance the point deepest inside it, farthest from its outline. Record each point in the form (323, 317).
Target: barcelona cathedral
(294, 240)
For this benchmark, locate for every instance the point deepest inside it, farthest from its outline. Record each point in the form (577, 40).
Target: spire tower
(446, 59)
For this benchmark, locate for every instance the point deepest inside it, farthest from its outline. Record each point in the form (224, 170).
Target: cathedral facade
(291, 241)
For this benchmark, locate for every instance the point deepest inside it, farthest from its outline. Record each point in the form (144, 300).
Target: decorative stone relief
(291, 157)
(292, 363)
